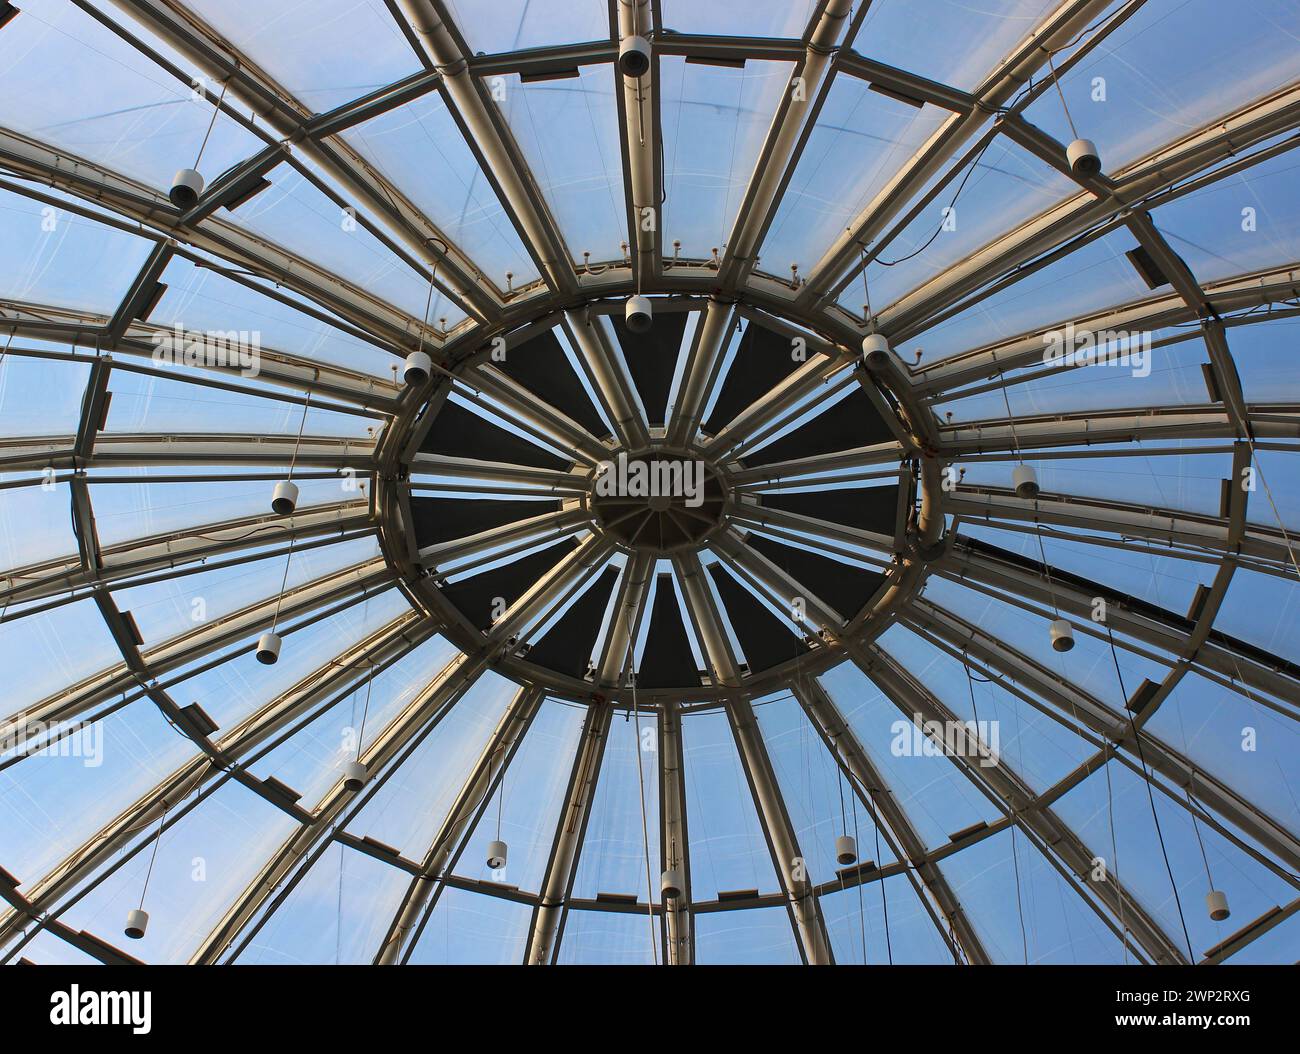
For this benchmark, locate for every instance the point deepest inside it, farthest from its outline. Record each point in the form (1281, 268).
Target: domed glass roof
(644, 481)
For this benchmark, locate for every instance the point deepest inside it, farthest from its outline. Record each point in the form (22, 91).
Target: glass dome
(643, 481)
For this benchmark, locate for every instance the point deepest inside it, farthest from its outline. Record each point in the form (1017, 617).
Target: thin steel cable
(215, 110)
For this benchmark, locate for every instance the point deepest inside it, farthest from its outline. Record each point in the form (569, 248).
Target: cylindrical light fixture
(268, 648)
(634, 56)
(1217, 903)
(846, 850)
(417, 369)
(670, 884)
(638, 314)
(354, 776)
(137, 921)
(1062, 634)
(284, 499)
(187, 185)
(1025, 480)
(875, 351)
(497, 853)
(1084, 160)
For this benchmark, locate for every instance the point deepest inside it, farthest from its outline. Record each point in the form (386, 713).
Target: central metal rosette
(658, 499)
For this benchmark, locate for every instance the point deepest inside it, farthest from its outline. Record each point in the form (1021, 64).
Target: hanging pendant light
(1025, 480)
(418, 368)
(1062, 635)
(670, 884)
(497, 854)
(846, 850)
(638, 314)
(268, 648)
(1216, 901)
(1084, 160)
(187, 184)
(354, 776)
(634, 57)
(285, 498)
(137, 921)
(875, 351)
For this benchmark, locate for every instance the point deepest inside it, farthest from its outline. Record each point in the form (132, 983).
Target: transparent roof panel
(763, 18)
(513, 25)
(313, 58)
(580, 174)
(715, 119)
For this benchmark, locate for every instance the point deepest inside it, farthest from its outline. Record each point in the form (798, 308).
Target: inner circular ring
(660, 499)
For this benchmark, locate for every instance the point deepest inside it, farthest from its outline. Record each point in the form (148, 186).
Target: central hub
(660, 500)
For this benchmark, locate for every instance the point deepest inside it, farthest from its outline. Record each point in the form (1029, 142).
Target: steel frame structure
(574, 298)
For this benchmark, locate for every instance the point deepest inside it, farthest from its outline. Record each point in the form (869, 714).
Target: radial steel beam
(638, 122)
(877, 796)
(561, 867)
(486, 773)
(703, 364)
(615, 663)
(608, 374)
(537, 416)
(552, 481)
(533, 529)
(674, 840)
(788, 861)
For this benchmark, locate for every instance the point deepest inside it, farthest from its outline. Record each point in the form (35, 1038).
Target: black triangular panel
(845, 587)
(439, 520)
(762, 361)
(763, 637)
(667, 661)
(457, 432)
(474, 596)
(652, 359)
(867, 508)
(541, 366)
(568, 644)
(852, 422)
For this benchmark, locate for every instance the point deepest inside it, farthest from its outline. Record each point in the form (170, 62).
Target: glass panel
(294, 214)
(1187, 482)
(1006, 186)
(1246, 222)
(1165, 581)
(859, 142)
(612, 858)
(198, 298)
(1171, 68)
(179, 605)
(1025, 740)
(714, 122)
(41, 397)
(727, 849)
(49, 255)
(339, 913)
(762, 18)
(1276, 499)
(125, 511)
(1262, 610)
(474, 930)
(311, 50)
(1092, 277)
(1251, 748)
(143, 403)
(510, 25)
(753, 937)
(821, 803)
(887, 918)
(616, 938)
(240, 686)
(1263, 353)
(525, 812)
(1022, 908)
(35, 524)
(1132, 373)
(948, 40)
(580, 172)
(54, 649)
